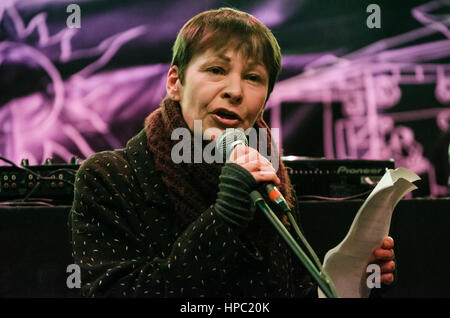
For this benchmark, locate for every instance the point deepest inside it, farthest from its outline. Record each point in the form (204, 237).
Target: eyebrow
(251, 64)
(222, 57)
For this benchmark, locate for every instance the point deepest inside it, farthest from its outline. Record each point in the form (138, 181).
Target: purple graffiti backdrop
(74, 91)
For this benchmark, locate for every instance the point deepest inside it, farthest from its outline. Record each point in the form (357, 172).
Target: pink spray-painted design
(366, 83)
(74, 113)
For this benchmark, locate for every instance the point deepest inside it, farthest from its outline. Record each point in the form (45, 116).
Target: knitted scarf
(192, 187)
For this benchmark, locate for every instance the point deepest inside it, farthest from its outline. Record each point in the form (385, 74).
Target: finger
(246, 155)
(270, 176)
(245, 158)
(251, 160)
(387, 279)
(266, 176)
(383, 255)
(254, 162)
(252, 166)
(238, 152)
(387, 267)
(388, 243)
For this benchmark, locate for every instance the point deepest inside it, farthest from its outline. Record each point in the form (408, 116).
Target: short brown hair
(218, 29)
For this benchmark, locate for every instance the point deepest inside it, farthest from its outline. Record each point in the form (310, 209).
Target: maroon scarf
(192, 186)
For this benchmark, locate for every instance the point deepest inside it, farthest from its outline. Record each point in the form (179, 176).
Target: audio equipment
(333, 177)
(309, 176)
(50, 181)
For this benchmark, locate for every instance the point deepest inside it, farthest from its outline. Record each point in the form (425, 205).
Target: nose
(233, 90)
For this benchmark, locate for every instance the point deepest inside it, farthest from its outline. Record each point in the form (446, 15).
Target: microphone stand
(322, 279)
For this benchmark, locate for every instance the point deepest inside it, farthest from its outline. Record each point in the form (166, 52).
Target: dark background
(104, 105)
(306, 30)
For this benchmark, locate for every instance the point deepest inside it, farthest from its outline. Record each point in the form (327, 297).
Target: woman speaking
(143, 225)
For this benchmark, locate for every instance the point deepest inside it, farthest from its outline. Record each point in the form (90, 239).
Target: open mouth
(226, 118)
(226, 115)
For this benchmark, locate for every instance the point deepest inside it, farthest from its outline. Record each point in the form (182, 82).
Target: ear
(173, 84)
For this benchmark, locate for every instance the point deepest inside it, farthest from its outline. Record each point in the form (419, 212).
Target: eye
(216, 70)
(254, 78)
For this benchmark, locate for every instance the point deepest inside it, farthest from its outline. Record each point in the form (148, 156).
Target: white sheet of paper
(346, 263)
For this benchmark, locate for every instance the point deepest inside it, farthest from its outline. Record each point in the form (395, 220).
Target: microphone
(226, 142)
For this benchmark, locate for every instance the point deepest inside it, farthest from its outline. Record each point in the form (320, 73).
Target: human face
(221, 89)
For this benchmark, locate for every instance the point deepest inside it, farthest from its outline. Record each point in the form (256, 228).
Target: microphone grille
(229, 139)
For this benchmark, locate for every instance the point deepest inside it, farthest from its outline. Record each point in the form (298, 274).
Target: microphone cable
(324, 281)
